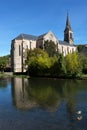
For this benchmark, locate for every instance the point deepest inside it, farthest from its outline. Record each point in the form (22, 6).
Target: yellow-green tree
(38, 62)
(73, 64)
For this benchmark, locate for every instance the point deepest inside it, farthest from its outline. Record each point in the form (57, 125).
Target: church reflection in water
(20, 95)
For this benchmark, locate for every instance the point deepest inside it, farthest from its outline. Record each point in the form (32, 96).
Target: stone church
(26, 41)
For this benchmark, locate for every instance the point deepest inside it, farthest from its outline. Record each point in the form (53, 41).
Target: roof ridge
(26, 36)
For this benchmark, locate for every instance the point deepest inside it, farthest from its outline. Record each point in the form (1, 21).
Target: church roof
(41, 36)
(50, 32)
(65, 43)
(26, 36)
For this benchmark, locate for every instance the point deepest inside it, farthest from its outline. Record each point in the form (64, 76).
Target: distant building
(25, 41)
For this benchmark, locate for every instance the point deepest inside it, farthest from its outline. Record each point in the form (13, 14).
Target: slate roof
(65, 43)
(41, 36)
(26, 36)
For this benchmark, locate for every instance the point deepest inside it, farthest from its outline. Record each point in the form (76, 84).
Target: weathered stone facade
(65, 48)
(46, 37)
(24, 41)
(18, 47)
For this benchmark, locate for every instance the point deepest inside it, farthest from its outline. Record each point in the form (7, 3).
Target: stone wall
(17, 53)
(66, 49)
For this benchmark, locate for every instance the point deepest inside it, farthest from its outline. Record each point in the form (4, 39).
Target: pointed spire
(68, 22)
(68, 33)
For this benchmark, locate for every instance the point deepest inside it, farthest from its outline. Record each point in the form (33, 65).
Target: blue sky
(37, 17)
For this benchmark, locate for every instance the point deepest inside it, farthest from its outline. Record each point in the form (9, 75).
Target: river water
(43, 104)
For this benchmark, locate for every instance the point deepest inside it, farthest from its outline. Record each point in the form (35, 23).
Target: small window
(70, 35)
(19, 50)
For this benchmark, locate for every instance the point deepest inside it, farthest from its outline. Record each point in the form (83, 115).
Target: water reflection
(20, 95)
(27, 96)
(4, 82)
(48, 104)
(47, 95)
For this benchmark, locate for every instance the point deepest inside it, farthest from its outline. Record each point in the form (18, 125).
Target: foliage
(80, 47)
(73, 65)
(54, 66)
(62, 65)
(38, 62)
(50, 48)
(4, 61)
(84, 63)
(58, 68)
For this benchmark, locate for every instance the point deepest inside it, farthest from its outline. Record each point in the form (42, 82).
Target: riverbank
(11, 74)
(6, 74)
(83, 76)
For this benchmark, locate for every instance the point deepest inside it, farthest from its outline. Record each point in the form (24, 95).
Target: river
(43, 104)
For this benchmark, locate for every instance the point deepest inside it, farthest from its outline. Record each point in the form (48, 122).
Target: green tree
(50, 48)
(58, 68)
(62, 65)
(4, 61)
(80, 48)
(54, 66)
(73, 65)
(84, 63)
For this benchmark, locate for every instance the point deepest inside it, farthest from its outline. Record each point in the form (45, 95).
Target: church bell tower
(68, 33)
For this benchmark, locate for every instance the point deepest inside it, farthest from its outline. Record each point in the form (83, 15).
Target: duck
(79, 118)
(79, 112)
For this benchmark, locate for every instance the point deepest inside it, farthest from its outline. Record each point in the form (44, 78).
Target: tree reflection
(45, 93)
(26, 96)
(45, 96)
(4, 82)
